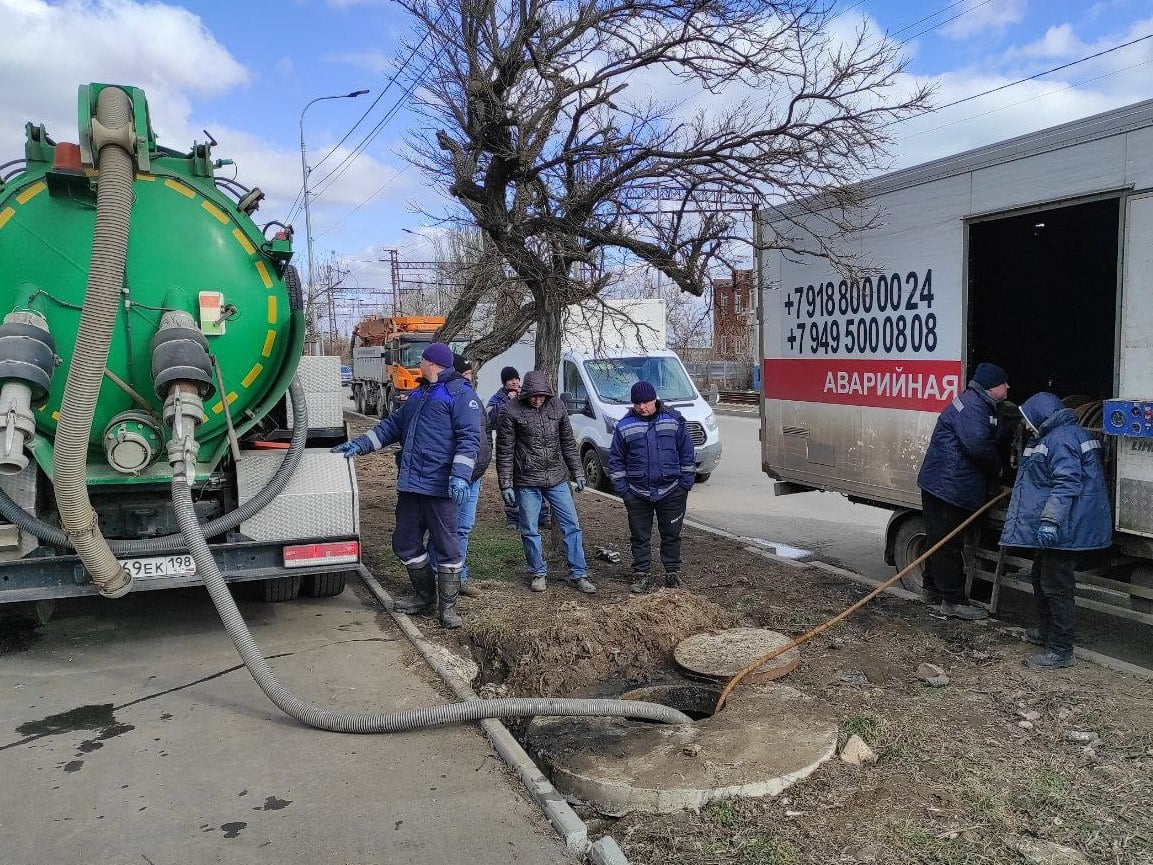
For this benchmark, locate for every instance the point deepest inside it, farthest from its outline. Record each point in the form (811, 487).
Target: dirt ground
(991, 768)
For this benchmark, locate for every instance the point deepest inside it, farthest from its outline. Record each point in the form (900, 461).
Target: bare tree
(546, 124)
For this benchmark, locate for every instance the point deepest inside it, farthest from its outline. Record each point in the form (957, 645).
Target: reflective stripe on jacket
(651, 457)
(1060, 480)
(439, 429)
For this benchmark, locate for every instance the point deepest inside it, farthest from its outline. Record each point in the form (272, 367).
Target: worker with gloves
(439, 428)
(466, 513)
(954, 479)
(1060, 506)
(651, 466)
(536, 456)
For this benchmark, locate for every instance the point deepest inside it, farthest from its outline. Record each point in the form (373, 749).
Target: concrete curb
(571, 828)
(737, 410)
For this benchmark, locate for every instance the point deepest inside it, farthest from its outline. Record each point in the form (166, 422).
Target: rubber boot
(424, 592)
(642, 582)
(448, 585)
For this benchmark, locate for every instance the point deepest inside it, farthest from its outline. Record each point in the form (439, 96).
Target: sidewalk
(172, 755)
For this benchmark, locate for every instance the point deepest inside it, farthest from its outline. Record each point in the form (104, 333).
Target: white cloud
(165, 50)
(981, 17)
(1058, 42)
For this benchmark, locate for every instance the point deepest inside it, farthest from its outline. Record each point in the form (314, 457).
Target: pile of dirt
(584, 647)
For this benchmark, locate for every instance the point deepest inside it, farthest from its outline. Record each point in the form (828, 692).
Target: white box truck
(1034, 253)
(607, 348)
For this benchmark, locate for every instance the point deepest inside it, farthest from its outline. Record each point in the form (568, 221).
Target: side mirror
(388, 356)
(576, 405)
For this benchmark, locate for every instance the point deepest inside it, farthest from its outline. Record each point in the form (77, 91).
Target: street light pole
(310, 305)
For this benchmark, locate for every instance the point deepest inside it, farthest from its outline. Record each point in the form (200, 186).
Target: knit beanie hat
(438, 353)
(460, 363)
(643, 392)
(989, 375)
(508, 373)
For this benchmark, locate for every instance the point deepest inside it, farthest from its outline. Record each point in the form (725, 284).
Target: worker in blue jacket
(439, 428)
(651, 466)
(954, 479)
(1060, 506)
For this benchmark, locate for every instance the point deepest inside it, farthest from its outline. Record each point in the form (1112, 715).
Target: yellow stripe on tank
(149, 177)
(180, 187)
(6, 214)
(269, 341)
(55, 415)
(253, 374)
(263, 271)
(220, 215)
(272, 309)
(31, 192)
(219, 407)
(243, 240)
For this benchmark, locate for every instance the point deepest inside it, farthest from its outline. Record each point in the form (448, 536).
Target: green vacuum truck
(151, 330)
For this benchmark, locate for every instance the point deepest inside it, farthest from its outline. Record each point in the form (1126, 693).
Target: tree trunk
(549, 333)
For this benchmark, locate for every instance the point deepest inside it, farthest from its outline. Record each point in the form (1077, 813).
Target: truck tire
(280, 589)
(595, 474)
(324, 585)
(385, 407)
(702, 477)
(358, 397)
(908, 544)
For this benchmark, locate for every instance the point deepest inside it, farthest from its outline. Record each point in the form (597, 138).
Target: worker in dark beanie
(439, 429)
(955, 476)
(651, 467)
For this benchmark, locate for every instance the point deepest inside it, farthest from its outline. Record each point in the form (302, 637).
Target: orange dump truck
(386, 359)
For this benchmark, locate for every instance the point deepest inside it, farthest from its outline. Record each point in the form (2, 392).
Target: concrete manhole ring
(722, 654)
(766, 738)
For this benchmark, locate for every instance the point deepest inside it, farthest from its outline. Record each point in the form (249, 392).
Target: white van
(596, 390)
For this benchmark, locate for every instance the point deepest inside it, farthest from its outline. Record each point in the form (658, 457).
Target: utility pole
(313, 334)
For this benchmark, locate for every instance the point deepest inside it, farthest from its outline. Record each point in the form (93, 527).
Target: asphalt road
(129, 735)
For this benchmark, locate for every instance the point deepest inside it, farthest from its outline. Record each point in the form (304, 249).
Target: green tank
(192, 247)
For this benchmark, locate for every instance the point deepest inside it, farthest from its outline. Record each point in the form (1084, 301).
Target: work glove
(1047, 534)
(349, 449)
(509, 497)
(458, 490)
(580, 484)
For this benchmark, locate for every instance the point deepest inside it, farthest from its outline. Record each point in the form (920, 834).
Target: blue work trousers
(418, 514)
(465, 520)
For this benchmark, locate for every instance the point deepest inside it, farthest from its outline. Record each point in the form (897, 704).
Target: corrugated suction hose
(375, 722)
(86, 371)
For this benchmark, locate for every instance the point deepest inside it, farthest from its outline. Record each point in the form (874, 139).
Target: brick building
(734, 318)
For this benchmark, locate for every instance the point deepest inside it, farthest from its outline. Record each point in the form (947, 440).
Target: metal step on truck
(1035, 253)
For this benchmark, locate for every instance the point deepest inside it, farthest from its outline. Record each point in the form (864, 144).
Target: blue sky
(244, 70)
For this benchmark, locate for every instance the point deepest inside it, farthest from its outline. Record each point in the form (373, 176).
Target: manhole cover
(723, 654)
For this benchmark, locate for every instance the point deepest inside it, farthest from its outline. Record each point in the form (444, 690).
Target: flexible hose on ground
(48, 533)
(376, 722)
(86, 371)
(844, 614)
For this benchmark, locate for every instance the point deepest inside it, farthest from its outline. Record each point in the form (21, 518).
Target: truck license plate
(160, 566)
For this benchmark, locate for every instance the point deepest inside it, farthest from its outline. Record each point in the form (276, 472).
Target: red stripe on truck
(923, 385)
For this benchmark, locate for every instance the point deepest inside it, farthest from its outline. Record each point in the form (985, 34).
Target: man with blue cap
(439, 428)
(652, 465)
(954, 479)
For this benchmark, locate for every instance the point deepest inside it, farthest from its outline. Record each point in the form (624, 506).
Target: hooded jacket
(1061, 480)
(653, 456)
(439, 428)
(535, 446)
(962, 452)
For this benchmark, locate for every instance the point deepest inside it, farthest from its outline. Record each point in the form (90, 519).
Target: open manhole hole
(696, 701)
(722, 654)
